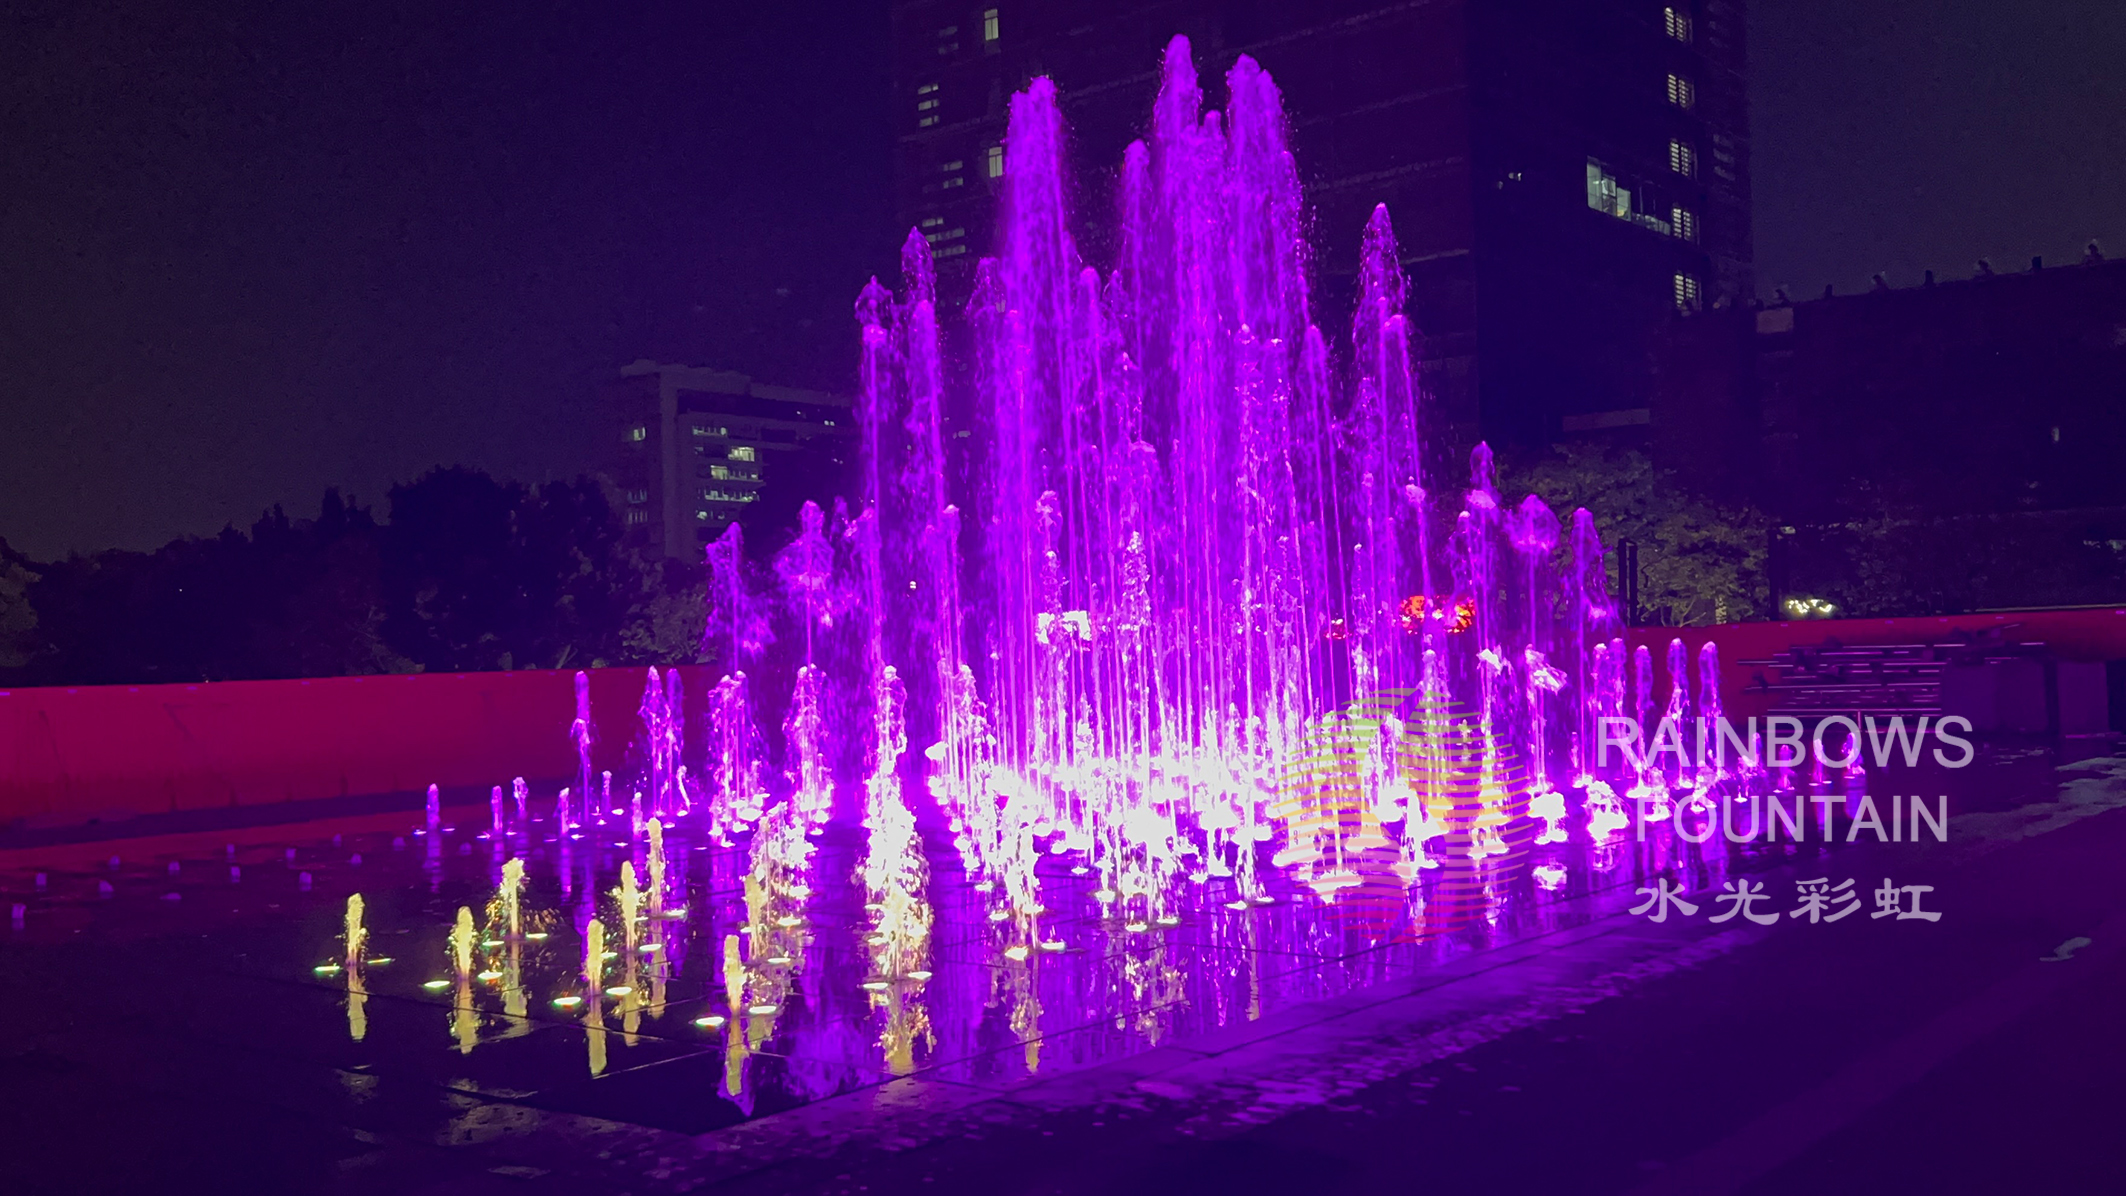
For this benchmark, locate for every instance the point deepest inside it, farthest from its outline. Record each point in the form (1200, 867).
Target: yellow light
(490, 975)
(1015, 954)
(382, 959)
(762, 1010)
(919, 975)
(876, 986)
(777, 960)
(568, 1002)
(435, 984)
(1135, 927)
(618, 990)
(1103, 894)
(326, 969)
(537, 936)
(712, 1021)
(787, 921)
(1053, 945)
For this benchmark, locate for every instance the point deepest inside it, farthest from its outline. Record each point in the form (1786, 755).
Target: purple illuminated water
(1197, 545)
(1144, 682)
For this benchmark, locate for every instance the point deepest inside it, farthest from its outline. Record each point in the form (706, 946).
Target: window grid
(1688, 296)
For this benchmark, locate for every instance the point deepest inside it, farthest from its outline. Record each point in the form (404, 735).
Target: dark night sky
(249, 250)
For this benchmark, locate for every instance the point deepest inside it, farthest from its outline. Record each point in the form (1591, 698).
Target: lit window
(950, 234)
(710, 430)
(1603, 192)
(1630, 200)
(701, 515)
(953, 167)
(926, 89)
(1688, 296)
(637, 515)
(744, 452)
(952, 251)
(1678, 24)
(989, 25)
(1681, 92)
(1685, 223)
(955, 181)
(994, 159)
(721, 473)
(638, 432)
(932, 221)
(1683, 158)
(638, 496)
(926, 105)
(926, 122)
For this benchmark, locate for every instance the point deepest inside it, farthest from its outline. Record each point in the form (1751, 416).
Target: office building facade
(697, 449)
(1565, 176)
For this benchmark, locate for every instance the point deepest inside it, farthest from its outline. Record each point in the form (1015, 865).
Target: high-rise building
(696, 449)
(1565, 176)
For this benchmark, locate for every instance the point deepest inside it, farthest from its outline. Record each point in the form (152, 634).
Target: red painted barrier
(2078, 635)
(72, 754)
(89, 752)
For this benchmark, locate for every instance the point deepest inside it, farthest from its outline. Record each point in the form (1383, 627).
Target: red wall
(2086, 635)
(69, 754)
(73, 754)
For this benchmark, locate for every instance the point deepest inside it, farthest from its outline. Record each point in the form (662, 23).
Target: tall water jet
(510, 896)
(580, 735)
(735, 632)
(629, 894)
(354, 933)
(594, 956)
(463, 937)
(807, 571)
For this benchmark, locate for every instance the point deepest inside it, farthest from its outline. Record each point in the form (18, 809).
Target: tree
(19, 639)
(1699, 562)
(1895, 552)
(480, 574)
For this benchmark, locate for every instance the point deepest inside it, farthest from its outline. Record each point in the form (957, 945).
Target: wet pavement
(197, 1028)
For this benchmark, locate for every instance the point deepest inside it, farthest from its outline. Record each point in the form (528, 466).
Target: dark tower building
(1566, 176)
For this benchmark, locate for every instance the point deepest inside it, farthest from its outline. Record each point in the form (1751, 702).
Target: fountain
(1151, 651)
(1191, 540)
